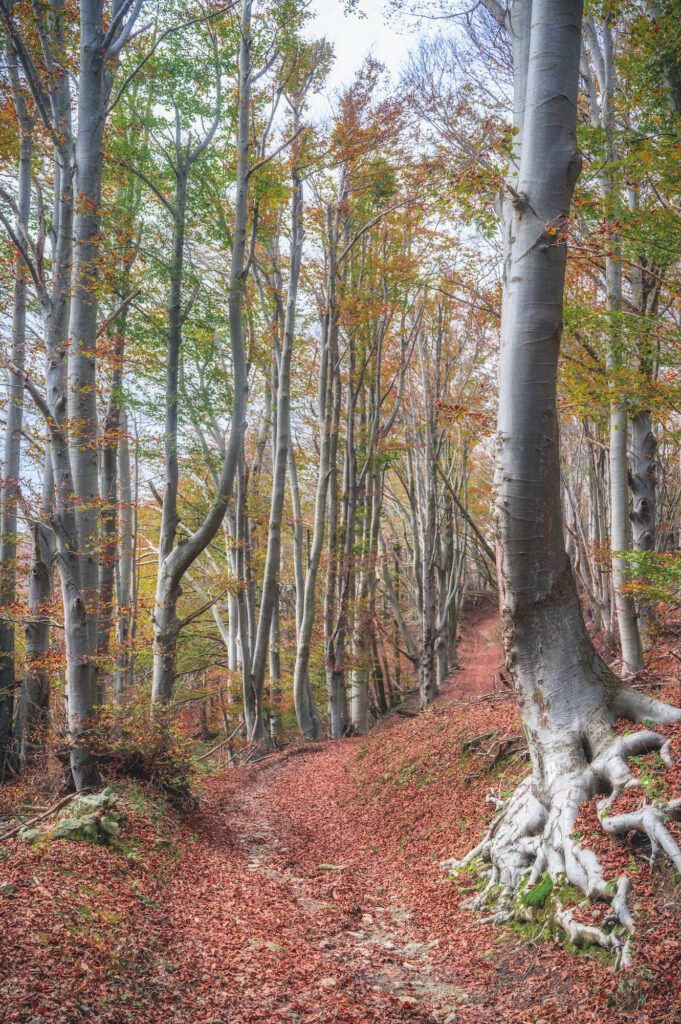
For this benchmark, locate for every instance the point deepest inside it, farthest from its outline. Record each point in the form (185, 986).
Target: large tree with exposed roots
(569, 700)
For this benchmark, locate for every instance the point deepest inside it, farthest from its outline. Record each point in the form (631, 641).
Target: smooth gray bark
(11, 466)
(602, 116)
(270, 584)
(567, 697)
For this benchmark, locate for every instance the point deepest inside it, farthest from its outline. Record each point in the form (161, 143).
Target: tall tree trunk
(251, 708)
(275, 726)
(306, 712)
(643, 484)
(109, 505)
(568, 698)
(9, 491)
(270, 584)
(360, 673)
(82, 588)
(602, 116)
(124, 565)
(620, 526)
(165, 619)
(335, 680)
(178, 560)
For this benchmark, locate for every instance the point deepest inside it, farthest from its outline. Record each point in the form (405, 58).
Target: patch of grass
(537, 896)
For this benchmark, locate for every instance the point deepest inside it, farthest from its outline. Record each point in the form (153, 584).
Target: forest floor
(306, 888)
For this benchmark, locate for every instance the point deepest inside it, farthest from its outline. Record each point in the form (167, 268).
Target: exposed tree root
(532, 838)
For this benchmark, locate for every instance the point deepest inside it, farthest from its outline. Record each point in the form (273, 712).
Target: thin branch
(368, 226)
(266, 159)
(199, 611)
(117, 312)
(169, 31)
(147, 181)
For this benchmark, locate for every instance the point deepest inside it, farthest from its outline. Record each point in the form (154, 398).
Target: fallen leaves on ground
(308, 889)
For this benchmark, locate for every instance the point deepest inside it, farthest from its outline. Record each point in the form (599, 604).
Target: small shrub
(130, 744)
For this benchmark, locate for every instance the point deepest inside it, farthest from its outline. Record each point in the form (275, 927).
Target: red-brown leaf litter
(307, 888)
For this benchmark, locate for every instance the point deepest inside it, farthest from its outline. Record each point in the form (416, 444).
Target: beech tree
(567, 696)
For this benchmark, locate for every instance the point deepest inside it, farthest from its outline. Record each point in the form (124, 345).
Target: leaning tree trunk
(179, 558)
(568, 698)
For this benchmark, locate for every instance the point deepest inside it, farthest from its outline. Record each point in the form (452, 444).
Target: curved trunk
(567, 697)
(179, 558)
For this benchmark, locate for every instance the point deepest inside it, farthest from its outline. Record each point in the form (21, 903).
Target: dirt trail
(281, 913)
(479, 653)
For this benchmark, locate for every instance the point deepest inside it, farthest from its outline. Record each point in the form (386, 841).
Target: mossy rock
(93, 803)
(91, 818)
(83, 830)
(31, 835)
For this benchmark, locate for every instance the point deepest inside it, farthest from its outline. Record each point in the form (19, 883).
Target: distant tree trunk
(251, 708)
(428, 688)
(360, 674)
(620, 538)
(275, 671)
(643, 483)
(11, 468)
(124, 565)
(35, 691)
(599, 535)
(282, 444)
(602, 113)
(444, 568)
(335, 679)
(364, 641)
(110, 505)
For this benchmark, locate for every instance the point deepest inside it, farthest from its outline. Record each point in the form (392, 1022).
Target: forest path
(291, 916)
(281, 911)
(480, 653)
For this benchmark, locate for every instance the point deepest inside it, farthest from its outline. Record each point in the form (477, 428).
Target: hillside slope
(307, 888)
